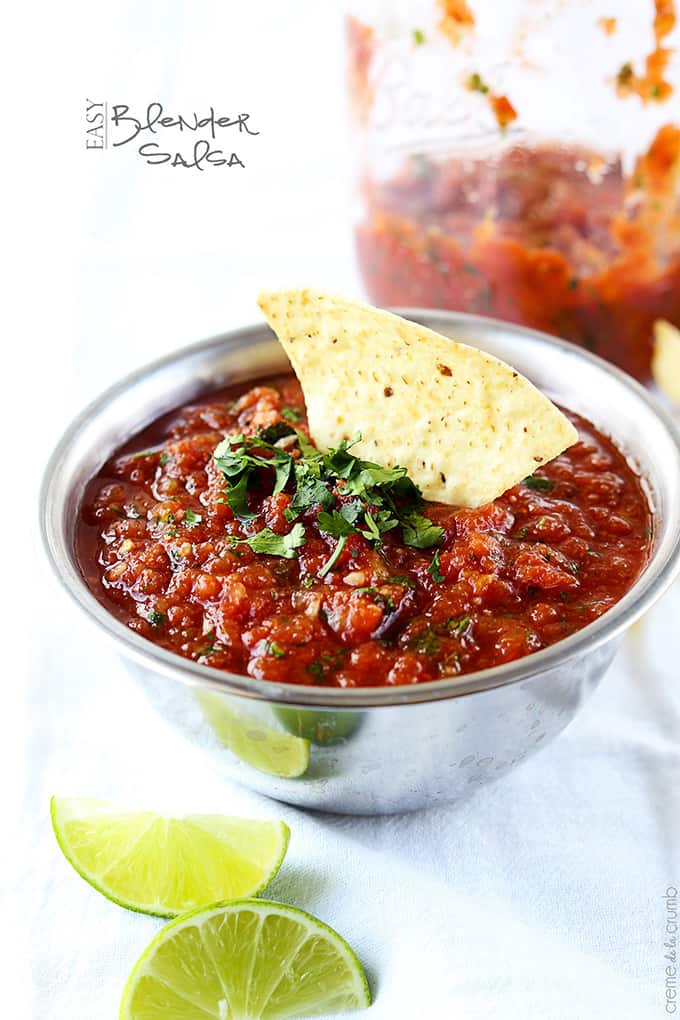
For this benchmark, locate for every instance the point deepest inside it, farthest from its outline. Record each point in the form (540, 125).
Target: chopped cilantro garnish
(237, 499)
(191, 518)
(381, 498)
(381, 600)
(275, 649)
(371, 531)
(540, 483)
(457, 625)
(420, 532)
(321, 668)
(339, 527)
(371, 475)
(335, 523)
(350, 511)
(282, 468)
(377, 524)
(272, 433)
(434, 569)
(317, 671)
(311, 491)
(156, 618)
(402, 579)
(240, 457)
(418, 36)
(334, 557)
(163, 459)
(311, 456)
(425, 641)
(269, 543)
(340, 461)
(291, 415)
(209, 648)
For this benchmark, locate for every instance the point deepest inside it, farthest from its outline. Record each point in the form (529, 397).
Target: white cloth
(541, 896)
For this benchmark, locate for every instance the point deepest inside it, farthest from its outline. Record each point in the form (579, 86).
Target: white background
(540, 897)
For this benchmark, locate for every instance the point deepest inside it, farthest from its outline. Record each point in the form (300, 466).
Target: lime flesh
(249, 960)
(165, 866)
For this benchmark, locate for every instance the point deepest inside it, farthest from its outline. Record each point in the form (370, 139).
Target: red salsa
(548, 234)
(328, 570)
(551, 237)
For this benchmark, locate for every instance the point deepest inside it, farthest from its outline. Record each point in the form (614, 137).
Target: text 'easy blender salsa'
(222, 534)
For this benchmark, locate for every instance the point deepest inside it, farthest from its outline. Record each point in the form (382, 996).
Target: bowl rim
(650, 585)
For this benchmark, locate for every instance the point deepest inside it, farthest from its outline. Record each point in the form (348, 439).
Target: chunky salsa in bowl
(209, 615)
(222, 534)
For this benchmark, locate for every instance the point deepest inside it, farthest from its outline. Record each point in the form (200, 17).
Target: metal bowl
(381, 749)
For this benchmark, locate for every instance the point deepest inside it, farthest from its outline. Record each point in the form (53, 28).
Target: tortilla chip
(466, 426)
(666, 359)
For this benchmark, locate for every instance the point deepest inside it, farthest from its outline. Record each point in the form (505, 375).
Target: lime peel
(245, 960)
(165, 866)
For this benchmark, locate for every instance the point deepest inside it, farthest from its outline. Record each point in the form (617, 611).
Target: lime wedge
(165, 866)
(244, 961)
(258, 745)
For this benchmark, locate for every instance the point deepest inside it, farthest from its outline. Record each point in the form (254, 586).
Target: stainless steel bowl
(379, 749)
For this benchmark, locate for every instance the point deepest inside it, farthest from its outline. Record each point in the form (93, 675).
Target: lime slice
(244, 961)
(165, 866)
(264, 748)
